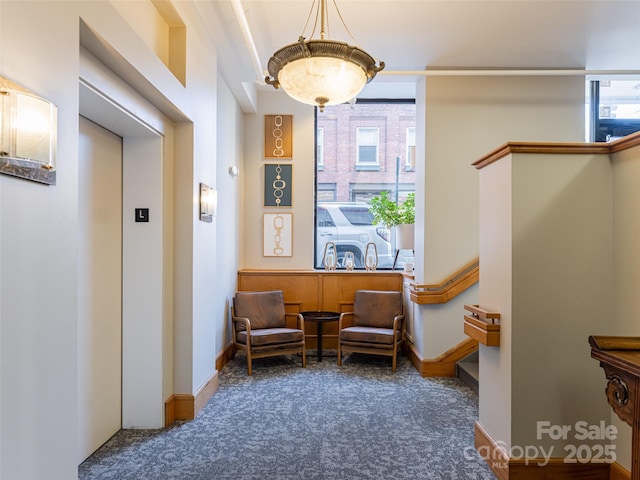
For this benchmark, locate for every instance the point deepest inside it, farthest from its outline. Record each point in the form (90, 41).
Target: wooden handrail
(452, 286)
(481, 325)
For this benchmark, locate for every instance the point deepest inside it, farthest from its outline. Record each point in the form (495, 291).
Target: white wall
(38, 255)
(466, 117)
(229, 234)
(626, 231)
(38, 226)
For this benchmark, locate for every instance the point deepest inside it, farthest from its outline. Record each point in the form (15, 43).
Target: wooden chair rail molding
(619, 145)
(481, 325)
(451, 287)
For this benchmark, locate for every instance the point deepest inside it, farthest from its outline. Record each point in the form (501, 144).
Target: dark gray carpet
(355, 422)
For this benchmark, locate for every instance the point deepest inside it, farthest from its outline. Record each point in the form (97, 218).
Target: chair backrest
(374, 308)
(264, 309)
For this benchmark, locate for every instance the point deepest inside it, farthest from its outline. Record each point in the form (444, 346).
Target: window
(615, 109)
(319, 148)
(362, 151)
(367, 144)
(410, 162)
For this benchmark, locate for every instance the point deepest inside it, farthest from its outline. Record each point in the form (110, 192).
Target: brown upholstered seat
(262, 328)
(374, 326)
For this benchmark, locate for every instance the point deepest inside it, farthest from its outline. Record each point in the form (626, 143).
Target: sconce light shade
(28, 134)
(208, 203)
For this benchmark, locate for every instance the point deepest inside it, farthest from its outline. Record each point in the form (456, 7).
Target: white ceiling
(409, 35)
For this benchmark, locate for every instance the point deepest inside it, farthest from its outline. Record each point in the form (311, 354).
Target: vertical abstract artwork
(278, 234)
(278, 136)
(278, 185)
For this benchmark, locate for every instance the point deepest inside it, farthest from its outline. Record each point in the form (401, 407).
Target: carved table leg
(635, 443)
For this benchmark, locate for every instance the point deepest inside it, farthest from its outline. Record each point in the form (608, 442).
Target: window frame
(368, 164)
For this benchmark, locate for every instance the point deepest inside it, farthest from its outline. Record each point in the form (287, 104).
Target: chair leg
(304, 357)
(393, 358)
(339, 354)
(249, 370)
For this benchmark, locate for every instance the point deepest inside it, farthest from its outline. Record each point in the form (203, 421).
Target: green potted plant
(401, 216)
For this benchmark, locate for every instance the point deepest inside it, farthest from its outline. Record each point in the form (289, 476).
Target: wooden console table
(620, 359)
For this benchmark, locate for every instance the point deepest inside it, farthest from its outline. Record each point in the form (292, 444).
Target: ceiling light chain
(322, 72)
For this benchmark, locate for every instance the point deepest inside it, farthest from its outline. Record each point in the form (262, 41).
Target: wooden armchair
(259, 326)
(374, 326)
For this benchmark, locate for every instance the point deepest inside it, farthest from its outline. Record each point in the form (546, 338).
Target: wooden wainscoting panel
(299, 287)
(340, 288)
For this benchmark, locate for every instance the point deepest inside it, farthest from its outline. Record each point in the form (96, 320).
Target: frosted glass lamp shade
(321, 72)
(28, 134)
(28, 128)
(322, 80)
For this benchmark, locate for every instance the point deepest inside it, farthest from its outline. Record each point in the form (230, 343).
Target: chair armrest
(397, 324)
(244, 320)
(299, 319)
(342, 317)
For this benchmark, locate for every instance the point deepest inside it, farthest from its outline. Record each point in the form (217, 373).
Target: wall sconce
(28, 134)
(208, 203)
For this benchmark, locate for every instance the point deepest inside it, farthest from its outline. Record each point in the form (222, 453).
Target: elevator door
(99, 286)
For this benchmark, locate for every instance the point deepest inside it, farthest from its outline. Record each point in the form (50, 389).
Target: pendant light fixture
(322, 71)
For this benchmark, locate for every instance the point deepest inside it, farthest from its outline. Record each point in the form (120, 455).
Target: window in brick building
(319, 144)
(367, 147)
(362, 150)
(410, 163)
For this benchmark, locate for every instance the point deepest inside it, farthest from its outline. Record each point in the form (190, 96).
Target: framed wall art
(278, 185)
(278, 234)
(278, 136)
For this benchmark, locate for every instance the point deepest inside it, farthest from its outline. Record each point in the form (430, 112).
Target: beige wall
(464, 118)
(561, 291)
(626, 232)
(277, 102)
(546, 250)
(496, 265)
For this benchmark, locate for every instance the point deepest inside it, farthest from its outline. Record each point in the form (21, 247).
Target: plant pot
(404, 236)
